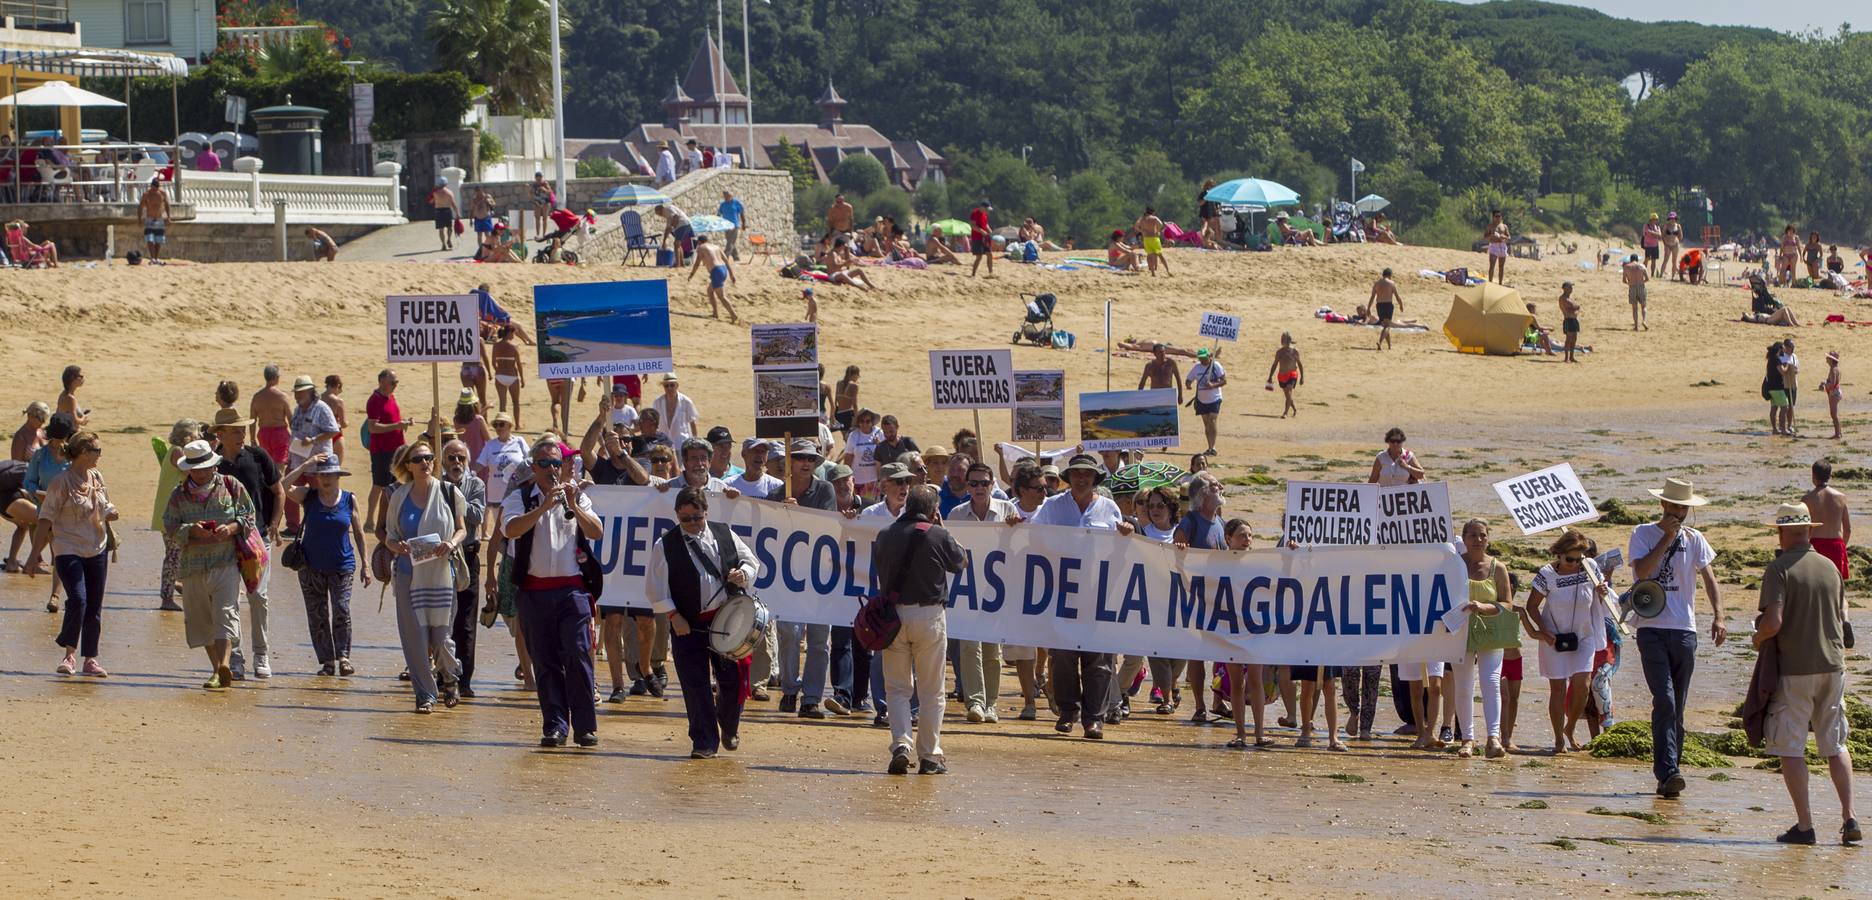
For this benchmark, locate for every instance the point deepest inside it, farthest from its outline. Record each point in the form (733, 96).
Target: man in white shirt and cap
(1081, 678)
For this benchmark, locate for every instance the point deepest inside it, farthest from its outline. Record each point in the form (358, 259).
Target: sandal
(12, 566)
(1337, 746)
(1238, 744)
(1263, 743)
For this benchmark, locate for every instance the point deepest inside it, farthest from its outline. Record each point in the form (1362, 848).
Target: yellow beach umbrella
(1487, 318)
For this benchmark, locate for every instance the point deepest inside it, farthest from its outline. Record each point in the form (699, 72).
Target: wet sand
(145, 785)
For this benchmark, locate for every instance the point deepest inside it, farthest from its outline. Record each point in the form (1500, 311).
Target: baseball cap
(839, 470)
(895, 471)
(750, 443)
(720, 435)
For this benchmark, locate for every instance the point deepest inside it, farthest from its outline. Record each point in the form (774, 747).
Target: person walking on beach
(1803, 615)
(1569, 319)
(1207, 377)
(153, 206)
(425, 522)
(1832, 528)
(457, 473)
(720, 273)
(735, 213)
(548, 521)
(1675, 556)
(981, 237)
(481, 214)
(332, 542)
(1289, 371)
(509, 374)
(1151, 229)
(1672, 239)
(1789, 362)
(1634, 275)
(1161, 372)
(260, 477)
(1497, 237)
(1081, 679)
(1652, 236)
(70, 381)
(916, 556)
(1564, 605)
(333, 398)
(1831, 388)
(442, 200)
(313, 428)
(74, 519)
(206, 513)
(385, 425)
(1385, 301)
(271, 411)
(694, 569)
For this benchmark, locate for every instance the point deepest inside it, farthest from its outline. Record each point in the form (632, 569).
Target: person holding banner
(1563, 604)
(1082, 678)
(693, 570)
(1489, 595)
(980, 665)
(1674, 555)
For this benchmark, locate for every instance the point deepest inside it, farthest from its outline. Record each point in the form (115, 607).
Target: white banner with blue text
(1076, 588)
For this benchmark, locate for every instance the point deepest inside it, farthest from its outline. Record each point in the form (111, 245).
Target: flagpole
(721, 76)
(747, 88)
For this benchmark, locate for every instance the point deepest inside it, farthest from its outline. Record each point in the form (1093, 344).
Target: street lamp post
(747, 88)
(558, 111)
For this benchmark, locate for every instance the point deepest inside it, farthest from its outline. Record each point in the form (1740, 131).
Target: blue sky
(1785, 15)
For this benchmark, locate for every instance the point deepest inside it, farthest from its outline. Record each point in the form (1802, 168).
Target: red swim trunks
(1287, 378)
(1511, 669)
(276, 440)
(1835, 550)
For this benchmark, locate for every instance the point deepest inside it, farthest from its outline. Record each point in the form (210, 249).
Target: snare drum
(739, 626)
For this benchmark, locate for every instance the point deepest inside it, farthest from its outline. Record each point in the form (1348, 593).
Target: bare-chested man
(1832, 518)
(838, 219)
(323, 247)
(719, 274)
(1497, 237)
(1384, 301)
(271, 410)
(154, 208)
(509, 375)
(334, 398)
(1161, 372)
(1289, 371)
(1152, 229)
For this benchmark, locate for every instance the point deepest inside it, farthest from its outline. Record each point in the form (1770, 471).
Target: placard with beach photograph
(606, 328)
(786, 402)
(1039, 405)
(1125, 420)
(792, 346)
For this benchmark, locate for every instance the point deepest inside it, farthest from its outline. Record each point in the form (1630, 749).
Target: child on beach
(1569, 318)
(1289, 371)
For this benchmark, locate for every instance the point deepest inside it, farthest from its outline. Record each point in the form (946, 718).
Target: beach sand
(144, 785)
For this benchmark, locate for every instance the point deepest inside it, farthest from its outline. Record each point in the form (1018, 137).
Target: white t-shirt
(555, 537)
(1062, 509)
(762, 487)
(863, 448)
(625, 415)
(1204, 376)
(504, 461)
(1160, 535)
(880, 510)
(1677, 573)
(676, 424)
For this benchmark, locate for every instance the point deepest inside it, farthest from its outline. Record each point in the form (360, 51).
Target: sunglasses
(1399, 441)
(691, 520)
(982, 483)
(425, 458)
(552, 463)
(1575, 560)
(456, 457)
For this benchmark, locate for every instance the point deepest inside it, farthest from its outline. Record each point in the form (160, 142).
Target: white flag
(1357, 167)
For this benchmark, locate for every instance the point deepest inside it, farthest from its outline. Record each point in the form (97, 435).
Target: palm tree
(503, 44)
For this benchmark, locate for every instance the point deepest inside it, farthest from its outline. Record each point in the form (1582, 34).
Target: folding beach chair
(636, 243)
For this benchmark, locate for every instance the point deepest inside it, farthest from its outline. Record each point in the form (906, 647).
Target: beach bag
(1458, 276)
(877, 624)
(364, 434)
(458, 226)
(1501, 631)
(251, 550)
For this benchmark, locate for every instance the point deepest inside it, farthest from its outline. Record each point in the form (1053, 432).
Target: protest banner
(1221, 326)
(794, 346)
(1039, 405)
(1328, 513)
(1547, 499)
(1123, 420)
(1078, 588)
(972, 379)
(602, 328)
(432, 329)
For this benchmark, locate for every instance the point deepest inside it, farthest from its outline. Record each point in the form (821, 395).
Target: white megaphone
(1646, 598)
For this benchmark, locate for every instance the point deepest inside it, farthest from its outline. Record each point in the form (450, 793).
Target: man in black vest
(546, 519)
(692, 570)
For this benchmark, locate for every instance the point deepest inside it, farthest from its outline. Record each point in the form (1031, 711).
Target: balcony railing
(36, 13)
(87, 173)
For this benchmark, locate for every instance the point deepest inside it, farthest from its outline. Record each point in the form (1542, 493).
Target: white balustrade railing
(246, 196)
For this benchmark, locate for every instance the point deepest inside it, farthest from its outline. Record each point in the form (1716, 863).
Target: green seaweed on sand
(1532, 804)
(1640, 815)
(1562, 843)
(1614, 512)
(1632, 740)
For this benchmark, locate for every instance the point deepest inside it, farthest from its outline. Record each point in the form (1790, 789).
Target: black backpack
(589, 570)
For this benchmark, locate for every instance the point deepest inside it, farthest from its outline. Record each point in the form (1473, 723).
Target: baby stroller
(1347, 227)
(1037, 329)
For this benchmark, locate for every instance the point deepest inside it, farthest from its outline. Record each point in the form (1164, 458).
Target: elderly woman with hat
(206, 514)
(74, 518)
(1080, 678)
(1675, 556)
(330, 542)
(425, 525)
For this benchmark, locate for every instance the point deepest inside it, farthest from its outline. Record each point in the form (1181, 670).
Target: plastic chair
(636, 243)
(759, 244)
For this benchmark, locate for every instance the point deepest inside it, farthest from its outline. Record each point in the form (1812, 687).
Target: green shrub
(860, 174)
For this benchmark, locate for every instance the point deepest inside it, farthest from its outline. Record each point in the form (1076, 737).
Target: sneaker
(263, 667)
(759, 694)
(639, 687)
(237, 662)
(789, 703)
(975, 713)
(236, 674)
(92, 669)
(834, 707)
(1849, 832)
(932, 767)
(1029, 712)
(881, 720)
(662, 676)
(1113, 717)
(1157, 696)
(345, 668)
(1163, 708)
(900, 761)
(864, 706)
(425, 706)
(328, 670)
(989, 715)
(1444, 734)
(811, 711)
(655, 688)
(1797, 835)
(66, 666)
(1670, 787)
(617, 695)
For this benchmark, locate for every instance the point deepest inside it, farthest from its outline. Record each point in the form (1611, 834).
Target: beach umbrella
(951, 227)
(1144, 476)
(631, 195)
(1253, 192)
(58, 93)
(710, 224)
(1371, 203)
(1487, 318)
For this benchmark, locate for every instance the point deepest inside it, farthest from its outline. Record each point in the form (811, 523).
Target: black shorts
(1208, 409)
(1384, 312)
(380, 475)
(1569, 326)
(979, 246)
(444, 217)
(1650, 254)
